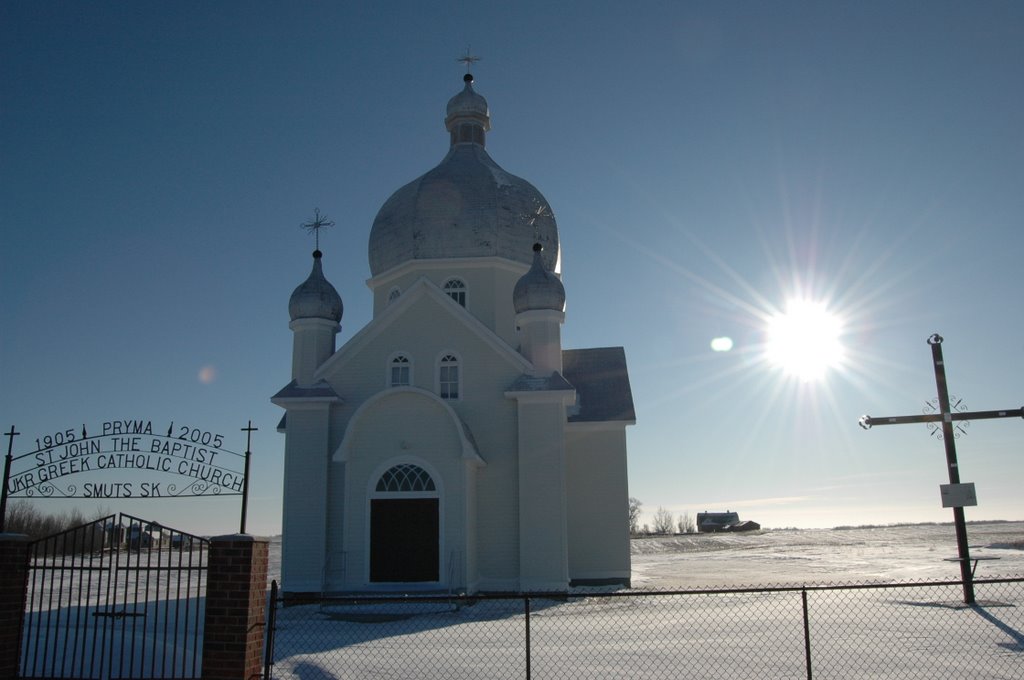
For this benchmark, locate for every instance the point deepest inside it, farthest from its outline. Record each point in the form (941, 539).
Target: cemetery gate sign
(155, 461)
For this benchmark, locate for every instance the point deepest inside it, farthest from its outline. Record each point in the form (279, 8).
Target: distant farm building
(712, 522)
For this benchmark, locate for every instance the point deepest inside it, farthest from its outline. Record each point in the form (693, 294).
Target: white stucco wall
(305, 493)
(543, 555)
(598, 499)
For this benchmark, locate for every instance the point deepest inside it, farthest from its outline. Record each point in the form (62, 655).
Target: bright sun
(804, 340)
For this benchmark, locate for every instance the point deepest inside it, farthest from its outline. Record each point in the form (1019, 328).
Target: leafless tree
(634, 516)
(25, 518)
(687, 525)
(664, 523)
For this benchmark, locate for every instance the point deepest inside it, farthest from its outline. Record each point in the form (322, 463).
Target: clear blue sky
(705, 161)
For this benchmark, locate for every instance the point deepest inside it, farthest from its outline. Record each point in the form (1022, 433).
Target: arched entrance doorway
(405, 527)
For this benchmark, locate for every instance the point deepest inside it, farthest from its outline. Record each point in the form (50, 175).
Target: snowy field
(804, 556)
(878, 554)
(911, 631)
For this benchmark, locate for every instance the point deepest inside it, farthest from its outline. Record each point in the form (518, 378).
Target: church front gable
(427, 321)
(483, 286)
(432, 344)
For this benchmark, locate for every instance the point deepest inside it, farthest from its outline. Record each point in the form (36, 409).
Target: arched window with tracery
(405, 478)
(456, 290)
(405, 526)
(400, 370)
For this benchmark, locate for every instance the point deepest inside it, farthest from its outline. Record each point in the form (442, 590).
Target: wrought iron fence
(894, 630)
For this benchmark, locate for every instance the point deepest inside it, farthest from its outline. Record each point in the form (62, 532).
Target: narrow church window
(401, 371)
(448, 377)
(456, 290)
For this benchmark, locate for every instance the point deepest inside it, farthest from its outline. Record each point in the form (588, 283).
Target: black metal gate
(120, 597)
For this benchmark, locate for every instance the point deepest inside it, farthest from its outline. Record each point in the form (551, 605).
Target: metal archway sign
(176, 461)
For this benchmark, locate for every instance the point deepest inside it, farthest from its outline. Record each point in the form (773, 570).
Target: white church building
(452, 444)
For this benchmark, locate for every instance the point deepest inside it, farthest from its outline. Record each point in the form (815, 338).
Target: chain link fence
(897, 630)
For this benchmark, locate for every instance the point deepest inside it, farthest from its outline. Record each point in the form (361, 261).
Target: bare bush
(25, 518)
(664, 522)
(687, 525)
(634, 516)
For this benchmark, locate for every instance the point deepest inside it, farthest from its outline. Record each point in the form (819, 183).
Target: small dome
(538, 288)
(467, 106)
(315, 298)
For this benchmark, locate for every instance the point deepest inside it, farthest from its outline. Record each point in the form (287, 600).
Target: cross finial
(469, 59)
(319, 222)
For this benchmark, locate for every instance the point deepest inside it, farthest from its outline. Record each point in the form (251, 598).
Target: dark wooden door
(404, 540)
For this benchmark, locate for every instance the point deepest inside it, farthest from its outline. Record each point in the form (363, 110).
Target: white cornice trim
(446, 263)
(304, 403)
(599, 425)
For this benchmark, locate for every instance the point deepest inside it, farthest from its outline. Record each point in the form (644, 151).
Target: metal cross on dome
(943, 417)
(468, 60)
(319, 222)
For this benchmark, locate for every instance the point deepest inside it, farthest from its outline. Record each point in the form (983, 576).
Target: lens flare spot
(723, 344)
(207, 374)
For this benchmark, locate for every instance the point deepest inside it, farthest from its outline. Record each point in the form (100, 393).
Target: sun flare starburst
(804, 340)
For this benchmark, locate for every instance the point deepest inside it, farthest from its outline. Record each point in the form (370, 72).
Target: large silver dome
(467, 206)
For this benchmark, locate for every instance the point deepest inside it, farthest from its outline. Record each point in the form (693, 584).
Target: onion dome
(315, 298)
(467, 206)
(538, 288)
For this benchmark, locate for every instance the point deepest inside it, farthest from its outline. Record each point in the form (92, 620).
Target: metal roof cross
(468, 60)
(947, 415)
(319, 222)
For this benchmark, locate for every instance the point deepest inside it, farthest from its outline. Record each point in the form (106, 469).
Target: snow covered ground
(870, 554)
(912, 631)
(787, 557)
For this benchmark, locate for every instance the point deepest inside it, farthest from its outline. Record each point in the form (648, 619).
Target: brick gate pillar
(13, 584)
(236, 599)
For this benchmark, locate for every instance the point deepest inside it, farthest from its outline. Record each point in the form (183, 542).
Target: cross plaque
(946, 416)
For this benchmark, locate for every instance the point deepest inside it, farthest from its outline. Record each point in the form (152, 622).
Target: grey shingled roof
(602, 384)
(320, 390)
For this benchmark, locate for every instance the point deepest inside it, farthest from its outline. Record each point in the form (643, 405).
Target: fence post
(807, 634)
(236, 600)
(13, 587)
(526, 608)
(271, 629)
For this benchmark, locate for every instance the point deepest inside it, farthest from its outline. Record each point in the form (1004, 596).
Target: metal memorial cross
(248, 430)
(945, 417)
(7, 477)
